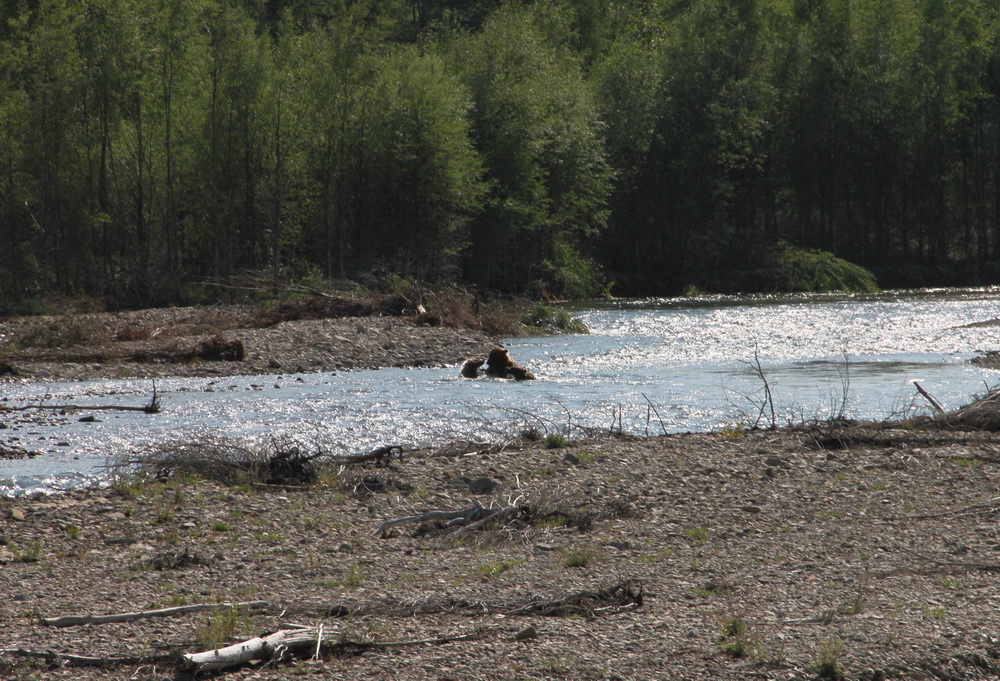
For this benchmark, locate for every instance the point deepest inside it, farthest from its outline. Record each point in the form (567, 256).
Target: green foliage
(219, 628)
(31, 553)
(827, 664)
(536, 126)
(354, 577)
(541, 148)
(493, 569)
(736, 639)
(555, 441)
(578, 558)
(797, 269)
(574, 275)
(552, 319)
(698, 534)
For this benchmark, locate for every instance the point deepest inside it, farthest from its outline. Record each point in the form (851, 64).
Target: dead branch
(345, 647)
(472, 514)
(380, 456)
(989, 506)
(658, 417)
(77, 620)
(493, 517)
(275, 646)
(934, 403)
(86, 660)
(84, 407)
(627, 594)
(623, 596)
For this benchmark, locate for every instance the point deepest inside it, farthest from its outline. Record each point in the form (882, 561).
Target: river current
(648, 366)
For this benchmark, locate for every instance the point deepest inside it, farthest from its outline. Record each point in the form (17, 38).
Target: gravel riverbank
(861, 553)
(167, 342)
(840, 551)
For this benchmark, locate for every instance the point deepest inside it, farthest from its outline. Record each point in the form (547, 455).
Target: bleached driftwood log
(259, 648)
(77, 620)
(472, 514)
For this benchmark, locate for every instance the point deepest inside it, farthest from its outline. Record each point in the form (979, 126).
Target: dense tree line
(148, 144)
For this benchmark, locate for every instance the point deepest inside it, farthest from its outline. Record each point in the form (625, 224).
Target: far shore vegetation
(558, 150)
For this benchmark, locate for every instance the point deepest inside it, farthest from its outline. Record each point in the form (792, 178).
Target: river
(648, 366)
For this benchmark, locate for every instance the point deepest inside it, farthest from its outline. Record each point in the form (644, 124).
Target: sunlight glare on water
(654, 365)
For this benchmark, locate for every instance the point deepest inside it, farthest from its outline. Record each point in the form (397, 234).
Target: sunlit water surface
(649, 366)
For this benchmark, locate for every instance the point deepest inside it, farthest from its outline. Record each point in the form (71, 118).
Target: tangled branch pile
(279, 462)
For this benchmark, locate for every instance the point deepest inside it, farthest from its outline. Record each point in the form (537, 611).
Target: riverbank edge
(171, 342)
(760, 554)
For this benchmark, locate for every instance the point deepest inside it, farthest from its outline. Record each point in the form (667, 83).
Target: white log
(259, 648)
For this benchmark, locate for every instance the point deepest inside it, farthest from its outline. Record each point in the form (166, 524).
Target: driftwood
(934, 403)
(474, 513)
(347, 646)
(152, 407)
(380, 456)
(622, 596)
(494, 517)
(61, 659)
(272, 646)
(74, 407)
(266, 647)
(77, 620)
(476, 517)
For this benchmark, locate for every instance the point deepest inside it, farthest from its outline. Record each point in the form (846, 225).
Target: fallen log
(79, 407)
(78, 620)
(272, 646)
(151, 407)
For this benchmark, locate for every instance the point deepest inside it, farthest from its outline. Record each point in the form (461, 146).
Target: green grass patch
(354, 577)
(698, 534)
(827, 664)
(31, 553)
(578, 558)
(555, 441)
(496, 568)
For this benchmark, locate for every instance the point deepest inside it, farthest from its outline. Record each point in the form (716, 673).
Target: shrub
(555, 441)
(827, 665)
(798, 269)
(552, 320)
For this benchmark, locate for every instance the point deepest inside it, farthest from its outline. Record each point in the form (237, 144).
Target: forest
(566, 148)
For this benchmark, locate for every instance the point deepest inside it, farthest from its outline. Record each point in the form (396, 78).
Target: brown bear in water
(471, 368)
(520, 373)
(498, 362)
(501, 365)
